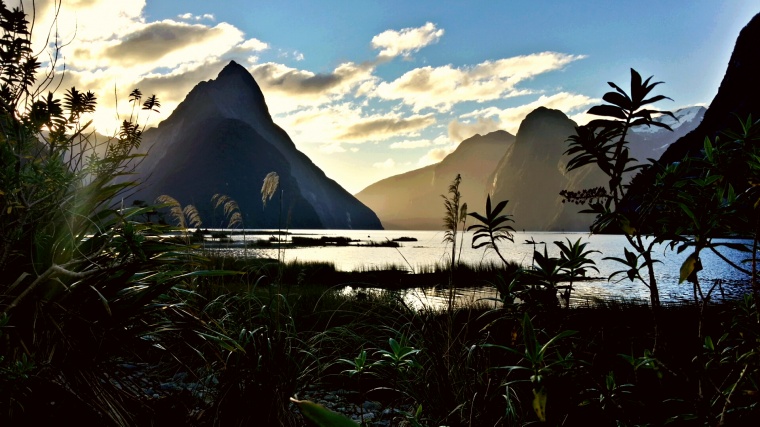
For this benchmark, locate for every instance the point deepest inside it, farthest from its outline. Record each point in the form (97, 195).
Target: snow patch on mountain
(684, 116)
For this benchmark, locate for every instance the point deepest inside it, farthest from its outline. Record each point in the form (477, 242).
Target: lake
(429, 249)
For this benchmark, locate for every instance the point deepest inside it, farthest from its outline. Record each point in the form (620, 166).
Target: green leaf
(708, 149)
(687, 267)
(709, 343)
(539, 403)
(608, 110)
(321, 416)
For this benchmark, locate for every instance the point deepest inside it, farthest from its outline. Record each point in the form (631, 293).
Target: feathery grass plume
(452, 218)
(235, 219)
(230, 208)
(192, 216)
(175, 208)
(218, 199)
(271, 181)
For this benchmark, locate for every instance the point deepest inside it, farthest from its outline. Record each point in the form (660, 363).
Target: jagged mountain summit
(412, 200)
(532, 173)
(221, 140)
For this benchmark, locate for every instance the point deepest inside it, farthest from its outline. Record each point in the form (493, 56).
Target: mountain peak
(541, 112)
(234, 94)
(233, 68)
(223, 136)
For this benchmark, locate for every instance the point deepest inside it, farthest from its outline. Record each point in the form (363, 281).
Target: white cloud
(387, 164)
(335, 110)
(436, 155)
(442, 87)
(441, 140)
(407, 41)
(411, 144)
(288, 89)
(459, 131)
(347, 123)
(254, 45)
(332, 148)
(510, 118)
(190, 16)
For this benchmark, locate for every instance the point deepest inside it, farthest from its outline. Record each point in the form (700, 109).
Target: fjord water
(429, 249)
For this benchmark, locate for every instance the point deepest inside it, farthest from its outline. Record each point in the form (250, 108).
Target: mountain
(221, 139)
(528, 170)
(738, 97)
(412, 200)
(651, 142)
(532, 173)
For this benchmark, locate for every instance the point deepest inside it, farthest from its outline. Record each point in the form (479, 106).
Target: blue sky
(370, 89)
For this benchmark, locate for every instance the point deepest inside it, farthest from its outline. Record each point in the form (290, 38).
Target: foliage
(321, 416)
(709, 196)
(83, 279)
(493, 227)
(602, 142)
(271, 181)
(262, 361)
(454, 214)
(541, 364)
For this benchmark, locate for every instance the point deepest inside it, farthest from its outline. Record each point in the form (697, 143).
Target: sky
(371, 89)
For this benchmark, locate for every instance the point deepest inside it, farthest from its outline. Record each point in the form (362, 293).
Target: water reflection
(429, 249)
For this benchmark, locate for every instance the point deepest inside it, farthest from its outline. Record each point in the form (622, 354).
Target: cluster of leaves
(84, 281)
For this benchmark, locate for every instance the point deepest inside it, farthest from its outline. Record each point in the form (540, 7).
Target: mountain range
(527, 169)
(412, 200)
(221, 140)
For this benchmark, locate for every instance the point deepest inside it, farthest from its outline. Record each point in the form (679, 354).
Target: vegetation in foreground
(105, 322)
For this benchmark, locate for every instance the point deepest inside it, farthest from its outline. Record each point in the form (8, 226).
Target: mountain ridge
(227, 120)
(411, 200)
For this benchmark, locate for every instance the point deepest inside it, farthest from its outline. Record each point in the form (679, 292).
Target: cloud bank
(422, 113)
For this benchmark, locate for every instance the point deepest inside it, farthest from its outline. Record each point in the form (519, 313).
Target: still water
(430, 249)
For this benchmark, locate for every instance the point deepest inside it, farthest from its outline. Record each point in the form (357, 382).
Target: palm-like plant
(603, 142)
(493, 228)
(575, 262)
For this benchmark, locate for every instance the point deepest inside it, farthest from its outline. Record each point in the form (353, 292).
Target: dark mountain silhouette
(412, 200)
(738, 97)
(221, 139)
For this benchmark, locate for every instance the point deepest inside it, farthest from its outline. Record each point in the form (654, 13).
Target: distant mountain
(651, 142)
(532, 173)
(221, 139)
(412, 200)
(528, 170)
